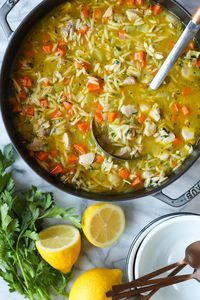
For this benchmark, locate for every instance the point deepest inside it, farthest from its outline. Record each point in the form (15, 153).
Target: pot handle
(4, 11)
(183, 199)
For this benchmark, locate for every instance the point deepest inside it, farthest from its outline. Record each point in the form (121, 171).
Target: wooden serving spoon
(127, 290)
(188, 34)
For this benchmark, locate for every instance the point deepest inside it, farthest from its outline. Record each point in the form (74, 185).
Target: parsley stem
(25, 279)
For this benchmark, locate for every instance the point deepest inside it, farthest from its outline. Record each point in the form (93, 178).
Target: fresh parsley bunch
(20, 219)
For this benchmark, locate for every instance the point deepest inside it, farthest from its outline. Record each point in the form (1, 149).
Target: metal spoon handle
(188, 34)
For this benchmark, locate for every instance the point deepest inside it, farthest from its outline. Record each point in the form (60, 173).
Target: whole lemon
(93, 284)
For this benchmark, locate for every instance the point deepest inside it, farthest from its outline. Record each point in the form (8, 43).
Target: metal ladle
(188, 34)
(146, 283)
(106, 145)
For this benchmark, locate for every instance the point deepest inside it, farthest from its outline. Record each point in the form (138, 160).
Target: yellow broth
(96, 60)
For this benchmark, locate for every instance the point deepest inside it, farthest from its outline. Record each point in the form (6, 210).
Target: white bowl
(164, 245)
(138, 240)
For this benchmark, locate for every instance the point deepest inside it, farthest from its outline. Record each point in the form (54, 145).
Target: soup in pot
(95, 59)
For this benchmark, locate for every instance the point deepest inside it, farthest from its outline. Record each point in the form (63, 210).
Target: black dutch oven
(15, 40)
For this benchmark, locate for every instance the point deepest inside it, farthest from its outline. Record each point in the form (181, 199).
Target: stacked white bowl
(161, 243)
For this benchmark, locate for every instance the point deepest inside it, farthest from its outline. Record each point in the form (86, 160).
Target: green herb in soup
(96, 59)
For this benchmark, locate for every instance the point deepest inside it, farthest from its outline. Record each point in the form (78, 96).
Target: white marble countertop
(138, 212)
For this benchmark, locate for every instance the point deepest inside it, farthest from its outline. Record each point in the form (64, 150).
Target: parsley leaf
(21, 218)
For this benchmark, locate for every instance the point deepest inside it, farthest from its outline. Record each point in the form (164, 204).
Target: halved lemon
(103, 224)
(60, 246)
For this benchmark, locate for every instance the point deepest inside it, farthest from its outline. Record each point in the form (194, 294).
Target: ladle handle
(196, 16)
(187, 35)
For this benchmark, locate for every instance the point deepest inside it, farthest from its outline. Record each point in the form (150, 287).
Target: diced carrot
(42, 155)
(112, 116)
(94, 87)
(30, 111)
(187, 90)
(124, 173)
(130, 2)
(143, 63)
(83, 30)
(67, 105)
(85, 11)
(141, 119)
(30, 53)
(141, 57)
(46, 83)
(174, 164)
(54, 153)
(173, 118)
(72, 159)
(185, 110)
(156, 9)
(99, 117)
(25, 81)
(62, 51)
(82, 65)
(16, 108)
(56, 114)
(171, 44)
(58, 169)
(99, 159)
(66, 81)
(99, 107)
(47, 47)
(176, 107)
(177, 141)
(84, 127)
(23, 95)
(122, 34)
(44, 102)
(197, 64)
(137, 181)
(139, 2)
(62, 43)
(97, 14)
(80, 148)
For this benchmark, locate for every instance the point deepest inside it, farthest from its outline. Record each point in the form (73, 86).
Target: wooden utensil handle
(196, 16)
(173, 273)
(143, 279)
(163, 283)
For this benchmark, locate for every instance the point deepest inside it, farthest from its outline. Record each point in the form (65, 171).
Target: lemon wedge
(93, 284)
(60, 246)
(103, 224)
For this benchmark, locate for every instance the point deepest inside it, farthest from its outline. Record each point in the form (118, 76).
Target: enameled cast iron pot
(15, 41)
